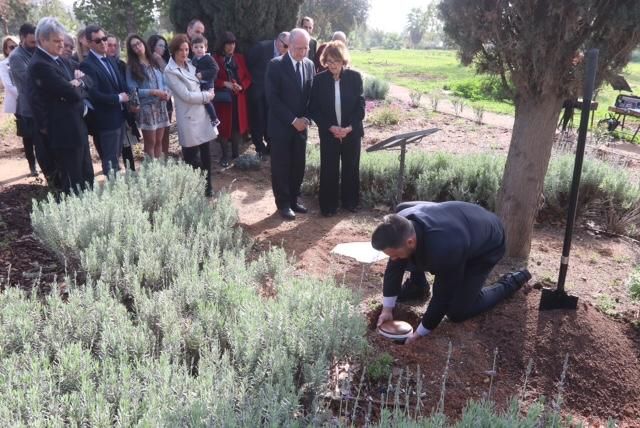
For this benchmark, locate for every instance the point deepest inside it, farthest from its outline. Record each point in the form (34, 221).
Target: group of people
(60, 97)
(273, 94)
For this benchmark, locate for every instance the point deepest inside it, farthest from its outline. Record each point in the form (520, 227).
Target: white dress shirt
(338, 103)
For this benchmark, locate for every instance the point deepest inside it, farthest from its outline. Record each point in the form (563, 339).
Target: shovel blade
(554, 299)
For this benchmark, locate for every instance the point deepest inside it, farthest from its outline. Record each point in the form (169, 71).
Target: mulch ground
(24, 261)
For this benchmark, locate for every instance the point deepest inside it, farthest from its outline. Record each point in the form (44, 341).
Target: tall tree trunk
(131, 25)
(526, 167)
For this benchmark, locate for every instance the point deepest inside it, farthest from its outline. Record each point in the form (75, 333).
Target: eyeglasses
(100, 40)
(332, 62)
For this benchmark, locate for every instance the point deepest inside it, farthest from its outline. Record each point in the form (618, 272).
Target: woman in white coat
(195, 131)
(10, 90)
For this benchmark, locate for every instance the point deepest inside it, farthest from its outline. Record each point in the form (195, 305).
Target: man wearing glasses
(108, 97)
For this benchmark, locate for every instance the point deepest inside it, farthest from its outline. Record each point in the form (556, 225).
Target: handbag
(222, 96)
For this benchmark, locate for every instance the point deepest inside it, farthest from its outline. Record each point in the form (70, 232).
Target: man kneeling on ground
(459, 243)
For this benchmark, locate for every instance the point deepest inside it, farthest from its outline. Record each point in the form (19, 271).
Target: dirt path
(445, 106)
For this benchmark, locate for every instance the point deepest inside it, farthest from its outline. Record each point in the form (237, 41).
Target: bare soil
(601, 338)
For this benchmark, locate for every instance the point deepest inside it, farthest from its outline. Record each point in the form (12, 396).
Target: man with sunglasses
(257, 60)
(108, 97)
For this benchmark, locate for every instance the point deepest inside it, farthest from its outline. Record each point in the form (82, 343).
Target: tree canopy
(249, 20)
(536, 45)
(13, 13)
(120, 17)
(335, 15)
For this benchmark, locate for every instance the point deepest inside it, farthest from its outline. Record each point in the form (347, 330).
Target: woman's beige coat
(194, 124)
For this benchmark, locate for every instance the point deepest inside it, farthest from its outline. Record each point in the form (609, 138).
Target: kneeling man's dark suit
(459, 243)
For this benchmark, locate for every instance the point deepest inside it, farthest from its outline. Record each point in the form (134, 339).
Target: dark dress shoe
(328, 213)
(299, 208)
(351, 209)
(287, 214)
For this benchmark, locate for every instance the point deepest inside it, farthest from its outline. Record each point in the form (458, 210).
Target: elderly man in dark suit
(108, 96)
(58, 101)
(257, 60)
(288, 86)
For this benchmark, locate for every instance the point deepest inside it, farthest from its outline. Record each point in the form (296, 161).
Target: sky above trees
(391, 15)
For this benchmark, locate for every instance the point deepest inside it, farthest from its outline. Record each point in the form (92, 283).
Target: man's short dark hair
(393, 232)
(90, 30)
(199, 39)
(26, 29)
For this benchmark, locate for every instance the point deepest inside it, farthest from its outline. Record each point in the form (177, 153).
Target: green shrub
(385, 116)
(415, 97)
(197, 340)
(380, 368)
(634, 285)
(481, 88)
(247, 162)
(607, 194)
(375, 88)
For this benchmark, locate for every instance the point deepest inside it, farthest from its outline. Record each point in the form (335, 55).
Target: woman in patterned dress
(144, 76)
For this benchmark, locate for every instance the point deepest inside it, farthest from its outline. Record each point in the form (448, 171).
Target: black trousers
(472, 298)
(73, 168)
(127, 158)
(333, 181)
(288, 156)
(191, 155)
(258, 122)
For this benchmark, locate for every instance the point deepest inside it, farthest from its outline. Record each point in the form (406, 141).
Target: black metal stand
(558, 298)
(401, 141)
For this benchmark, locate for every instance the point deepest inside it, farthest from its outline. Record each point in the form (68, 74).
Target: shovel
(558, 298)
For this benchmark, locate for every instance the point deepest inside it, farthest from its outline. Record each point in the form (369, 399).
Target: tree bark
(526, 167)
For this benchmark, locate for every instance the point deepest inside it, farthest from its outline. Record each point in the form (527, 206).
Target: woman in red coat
(231, 96)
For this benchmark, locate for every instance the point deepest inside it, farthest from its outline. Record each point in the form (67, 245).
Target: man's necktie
(298, 74)
(111, 72)
(63, 67)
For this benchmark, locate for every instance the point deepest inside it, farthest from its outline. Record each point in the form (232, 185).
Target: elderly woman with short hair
(195, 131)
(337, 107)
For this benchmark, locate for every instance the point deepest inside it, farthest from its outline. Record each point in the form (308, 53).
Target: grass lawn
(428, 70)
(421, 70)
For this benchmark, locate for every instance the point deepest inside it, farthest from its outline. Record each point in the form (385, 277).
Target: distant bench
(627, 105)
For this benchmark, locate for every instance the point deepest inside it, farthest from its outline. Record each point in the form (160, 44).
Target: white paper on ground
(361, 251)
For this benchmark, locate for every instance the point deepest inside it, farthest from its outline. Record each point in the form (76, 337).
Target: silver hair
(298, 32)
(69, 38)
(284, 37)
(47, 27)
(339, 35)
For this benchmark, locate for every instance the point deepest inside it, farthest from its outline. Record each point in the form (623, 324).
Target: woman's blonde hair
(336, 50)
(5, 42)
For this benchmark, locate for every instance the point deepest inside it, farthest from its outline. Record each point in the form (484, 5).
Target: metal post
(403, 152)
(589, 82)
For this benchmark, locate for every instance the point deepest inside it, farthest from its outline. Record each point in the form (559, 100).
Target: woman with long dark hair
(233, 81)
(144, 76)
(160, 50)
